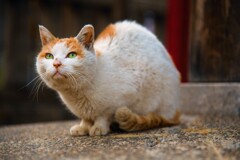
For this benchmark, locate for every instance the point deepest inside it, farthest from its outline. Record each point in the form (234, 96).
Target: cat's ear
(86, 36)
(45, 35)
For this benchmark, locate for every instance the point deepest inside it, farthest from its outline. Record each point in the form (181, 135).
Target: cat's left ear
(86, 36)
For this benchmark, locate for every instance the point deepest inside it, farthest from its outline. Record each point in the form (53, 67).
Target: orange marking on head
(74, 46)
(71, 43)
(109, 31)
(47, 48)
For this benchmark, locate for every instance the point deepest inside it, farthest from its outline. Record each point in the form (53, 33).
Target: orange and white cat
(125, 76)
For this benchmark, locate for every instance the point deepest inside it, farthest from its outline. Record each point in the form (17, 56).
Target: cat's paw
(123, 114)
(98, 130)
(78, 130)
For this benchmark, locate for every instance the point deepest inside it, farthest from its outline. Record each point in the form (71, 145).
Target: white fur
(133, 70)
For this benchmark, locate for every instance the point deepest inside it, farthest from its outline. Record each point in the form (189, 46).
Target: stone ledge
(209, 134)
(211, 98)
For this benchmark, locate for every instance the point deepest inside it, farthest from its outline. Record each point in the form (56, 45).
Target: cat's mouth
(58, 75)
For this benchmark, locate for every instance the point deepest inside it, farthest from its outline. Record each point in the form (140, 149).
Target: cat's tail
(130, 121)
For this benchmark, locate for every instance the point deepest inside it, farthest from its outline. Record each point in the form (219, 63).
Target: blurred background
(202, 36)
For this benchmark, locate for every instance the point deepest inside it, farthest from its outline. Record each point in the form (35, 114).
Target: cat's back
(131, 38)
(124, 31)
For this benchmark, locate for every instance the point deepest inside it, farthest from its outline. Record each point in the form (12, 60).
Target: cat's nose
(57, 63)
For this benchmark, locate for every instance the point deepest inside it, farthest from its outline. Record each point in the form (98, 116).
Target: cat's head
(67, 62)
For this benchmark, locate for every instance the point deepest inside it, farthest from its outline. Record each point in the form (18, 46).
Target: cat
(124, 76)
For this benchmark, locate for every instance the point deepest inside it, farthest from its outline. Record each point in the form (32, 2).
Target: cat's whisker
(39, 86)
(75, 84)
(36, 78)
(73, 81)
(35, 89)
(35, 84)
(39, 83)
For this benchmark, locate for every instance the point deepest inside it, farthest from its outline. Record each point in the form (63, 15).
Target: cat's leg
(101, 127)
(81, 129)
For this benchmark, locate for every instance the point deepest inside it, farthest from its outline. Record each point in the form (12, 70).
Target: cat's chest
(81, 105)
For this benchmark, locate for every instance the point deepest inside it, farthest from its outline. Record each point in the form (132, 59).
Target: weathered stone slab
(213, 132)
(211, 98)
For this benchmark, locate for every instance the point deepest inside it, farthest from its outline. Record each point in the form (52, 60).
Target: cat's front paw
(78, 130)
(98, 130)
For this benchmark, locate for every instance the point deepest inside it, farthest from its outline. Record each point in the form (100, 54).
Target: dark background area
(202, 36)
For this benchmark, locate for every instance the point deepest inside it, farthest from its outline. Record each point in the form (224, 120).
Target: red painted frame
(177, 34)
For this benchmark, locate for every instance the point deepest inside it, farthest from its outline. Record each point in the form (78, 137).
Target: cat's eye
(49, 56)
(72, 55)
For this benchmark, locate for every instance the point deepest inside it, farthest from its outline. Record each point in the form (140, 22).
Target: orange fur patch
(109, 31)
(174, 121)
(71, 43)
(130, 121)
(98, 53)
(74, 46)
(47, 48)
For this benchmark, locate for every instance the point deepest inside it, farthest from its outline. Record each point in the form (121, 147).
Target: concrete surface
(211, 130)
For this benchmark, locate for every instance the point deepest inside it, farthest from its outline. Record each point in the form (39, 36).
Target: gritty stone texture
(205, 134)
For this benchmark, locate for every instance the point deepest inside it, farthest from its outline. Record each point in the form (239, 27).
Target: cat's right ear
(45, 35)
(86, 36)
